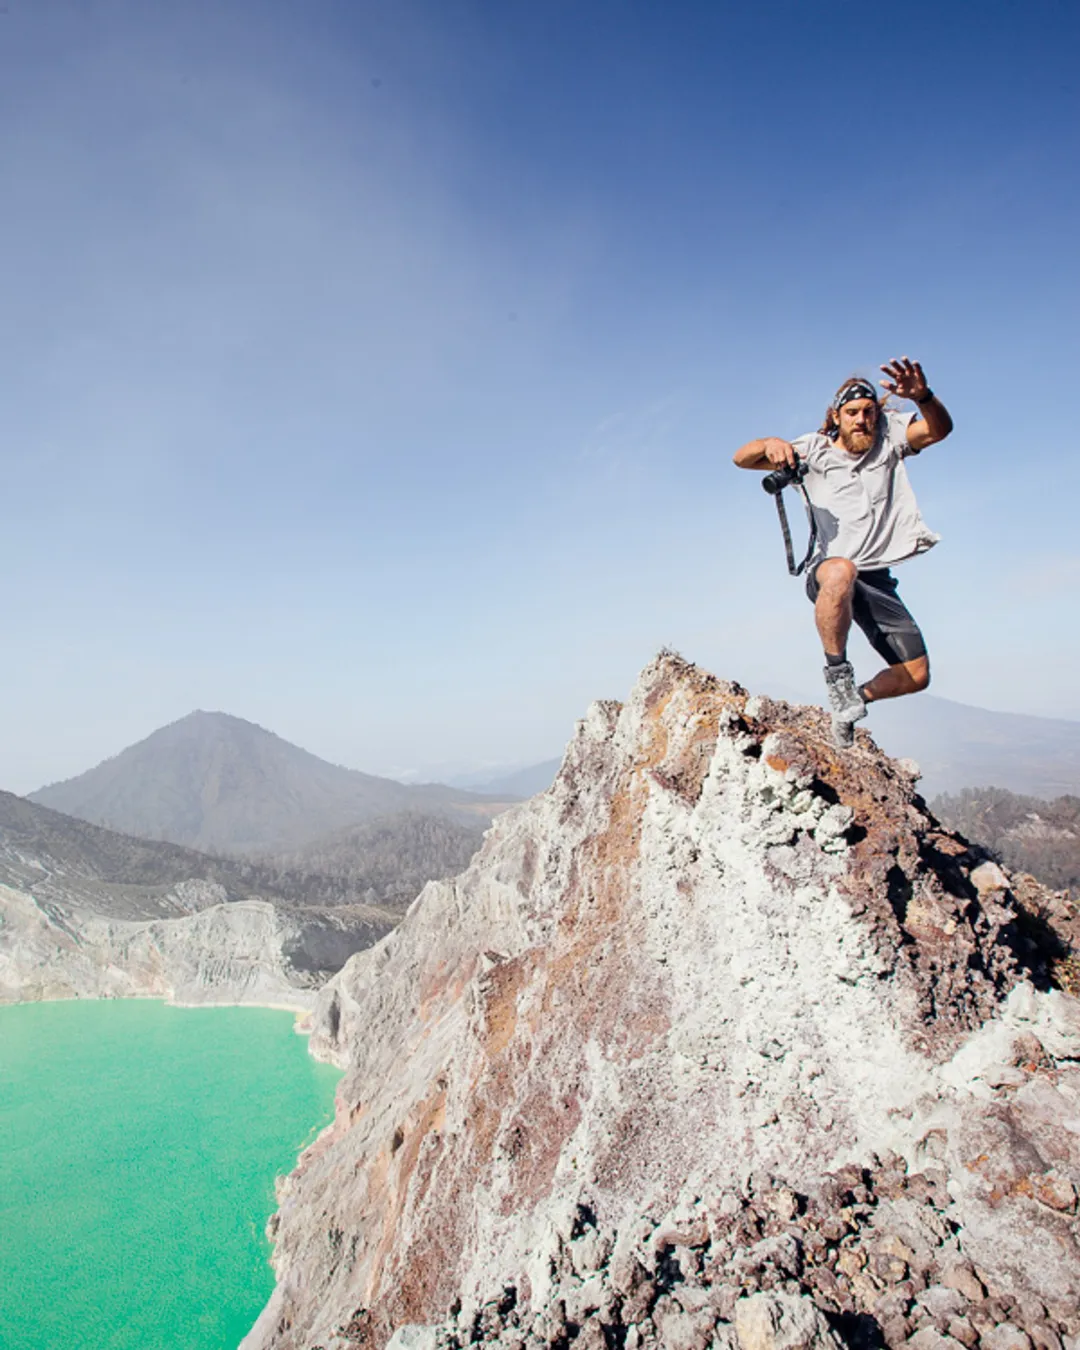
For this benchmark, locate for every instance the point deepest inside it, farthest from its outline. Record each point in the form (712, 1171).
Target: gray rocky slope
(722, 1041)
(89, 913)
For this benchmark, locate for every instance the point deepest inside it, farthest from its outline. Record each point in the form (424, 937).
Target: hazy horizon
(476, 773)
(373, 373)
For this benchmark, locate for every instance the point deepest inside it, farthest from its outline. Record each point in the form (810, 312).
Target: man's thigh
(885, 619)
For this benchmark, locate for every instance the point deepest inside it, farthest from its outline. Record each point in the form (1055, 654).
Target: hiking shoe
(843, 733)
(844, 699)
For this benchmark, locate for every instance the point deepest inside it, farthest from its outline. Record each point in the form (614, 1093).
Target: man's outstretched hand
(908, 380)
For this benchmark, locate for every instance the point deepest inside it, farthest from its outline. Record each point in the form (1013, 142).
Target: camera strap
(795, 569)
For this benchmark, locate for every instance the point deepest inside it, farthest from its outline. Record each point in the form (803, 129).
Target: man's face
(858, 425)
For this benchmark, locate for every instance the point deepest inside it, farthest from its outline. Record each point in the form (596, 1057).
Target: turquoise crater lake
(138, 1149)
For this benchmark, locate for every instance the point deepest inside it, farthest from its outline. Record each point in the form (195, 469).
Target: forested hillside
(380, 862)
(1027, 833)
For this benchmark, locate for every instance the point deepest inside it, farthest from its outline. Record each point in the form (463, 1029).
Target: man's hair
(831, 425)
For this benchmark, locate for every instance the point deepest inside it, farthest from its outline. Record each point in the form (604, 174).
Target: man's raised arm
(767, 453)
(933, 423)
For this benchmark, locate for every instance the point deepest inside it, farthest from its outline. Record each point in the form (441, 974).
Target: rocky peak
(723, 1040)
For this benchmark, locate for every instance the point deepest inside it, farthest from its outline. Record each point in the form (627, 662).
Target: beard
(857, 442)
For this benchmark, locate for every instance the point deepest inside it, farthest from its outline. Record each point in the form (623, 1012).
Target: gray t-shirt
(863, 504)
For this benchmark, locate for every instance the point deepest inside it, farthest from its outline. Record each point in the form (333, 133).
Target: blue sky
(373, 370)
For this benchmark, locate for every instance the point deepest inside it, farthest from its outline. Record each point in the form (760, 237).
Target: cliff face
(721, 1041)
(88, 913)
(247, 951)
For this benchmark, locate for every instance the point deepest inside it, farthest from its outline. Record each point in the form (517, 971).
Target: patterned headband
(860, 389)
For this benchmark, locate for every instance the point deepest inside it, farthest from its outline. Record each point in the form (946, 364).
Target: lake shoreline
(301, 1012)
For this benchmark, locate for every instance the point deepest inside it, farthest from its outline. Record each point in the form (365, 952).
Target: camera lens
(776, 481)
(779, 478)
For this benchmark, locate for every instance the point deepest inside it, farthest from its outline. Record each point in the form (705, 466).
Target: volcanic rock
(706, 1047)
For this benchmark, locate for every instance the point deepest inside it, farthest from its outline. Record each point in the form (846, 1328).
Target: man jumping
(867, 521)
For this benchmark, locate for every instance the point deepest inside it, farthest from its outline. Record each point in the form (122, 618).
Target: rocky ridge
(722, 1041)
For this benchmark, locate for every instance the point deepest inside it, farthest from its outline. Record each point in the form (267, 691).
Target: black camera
(780, 478)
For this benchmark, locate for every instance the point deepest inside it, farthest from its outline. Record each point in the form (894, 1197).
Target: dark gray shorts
(881, 614)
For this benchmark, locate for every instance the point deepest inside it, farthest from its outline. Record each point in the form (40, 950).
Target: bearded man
(866, 522)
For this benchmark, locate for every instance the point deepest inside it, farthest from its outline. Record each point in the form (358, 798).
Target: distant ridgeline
(957, 745)
(218, 783)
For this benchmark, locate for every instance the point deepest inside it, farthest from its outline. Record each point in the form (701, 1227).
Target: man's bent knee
(914, 676)
(919, 673)
(836, 574)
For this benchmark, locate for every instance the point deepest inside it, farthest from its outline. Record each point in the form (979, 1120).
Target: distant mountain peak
(211, 780)
(201, 719)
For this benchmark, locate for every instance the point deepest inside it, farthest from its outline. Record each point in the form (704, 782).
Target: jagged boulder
(782, 1322)
(722, 1038)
